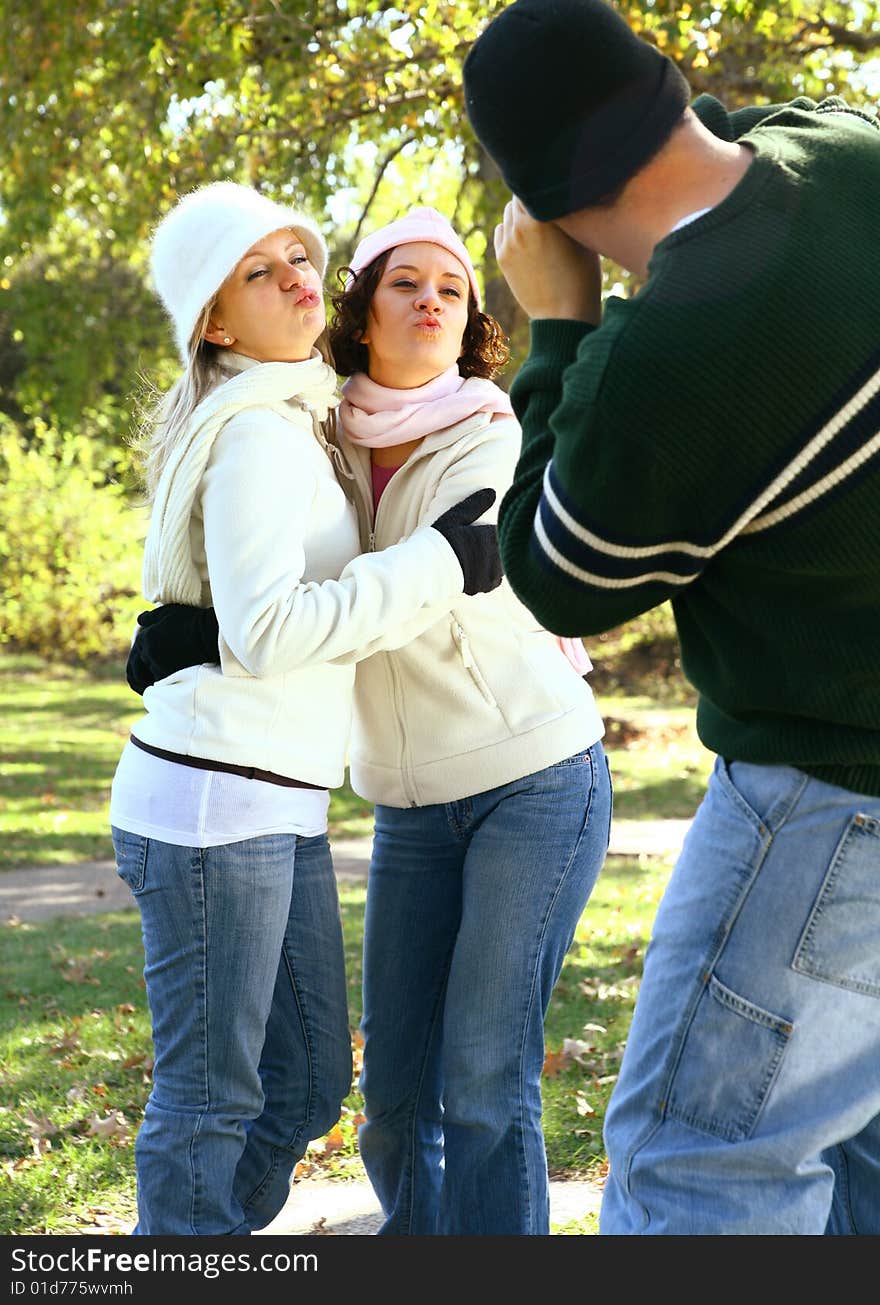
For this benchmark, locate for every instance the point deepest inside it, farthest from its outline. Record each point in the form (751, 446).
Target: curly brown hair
(484, 346)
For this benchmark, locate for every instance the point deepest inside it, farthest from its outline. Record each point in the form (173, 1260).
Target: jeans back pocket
(839, 943)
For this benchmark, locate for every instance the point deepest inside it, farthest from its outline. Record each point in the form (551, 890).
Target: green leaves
(109, 111)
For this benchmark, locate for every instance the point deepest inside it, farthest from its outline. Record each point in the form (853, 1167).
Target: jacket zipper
(406, 777)
(405, 770)
(467, 657)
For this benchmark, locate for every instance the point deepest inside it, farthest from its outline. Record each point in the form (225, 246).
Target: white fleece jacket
(273, 539)
(483, 695)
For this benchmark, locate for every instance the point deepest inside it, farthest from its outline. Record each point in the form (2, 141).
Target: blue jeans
(245, 979)
(471, 907)
(751, 1076)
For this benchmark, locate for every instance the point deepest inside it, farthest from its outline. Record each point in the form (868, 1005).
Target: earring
(227, 339)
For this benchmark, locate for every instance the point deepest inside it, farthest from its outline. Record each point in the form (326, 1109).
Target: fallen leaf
(554, 1062)
(105, 1220)
(320, 1229)
(108, 1127)
(39, 1125)
(77, 971)
(70, 1042)
(334, 1141)
(576, 1048)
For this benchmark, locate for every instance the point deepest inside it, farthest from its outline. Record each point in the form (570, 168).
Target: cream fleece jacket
(274, 541)
(483, 695)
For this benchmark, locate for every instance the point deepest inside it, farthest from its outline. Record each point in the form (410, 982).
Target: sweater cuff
(536, 387)
(557, 339)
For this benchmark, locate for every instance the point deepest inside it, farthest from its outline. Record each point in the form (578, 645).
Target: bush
(641, 657)
(70, 550)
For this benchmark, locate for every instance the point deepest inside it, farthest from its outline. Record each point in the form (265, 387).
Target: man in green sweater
(713, 440)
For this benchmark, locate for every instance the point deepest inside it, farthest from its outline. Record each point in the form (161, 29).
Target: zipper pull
(464, 646)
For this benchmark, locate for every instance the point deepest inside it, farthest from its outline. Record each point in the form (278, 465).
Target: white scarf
(169, 573)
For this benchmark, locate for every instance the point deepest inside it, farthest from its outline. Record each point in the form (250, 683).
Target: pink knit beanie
(416, 225)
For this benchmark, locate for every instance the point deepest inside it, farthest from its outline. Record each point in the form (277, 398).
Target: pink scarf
(377, 416)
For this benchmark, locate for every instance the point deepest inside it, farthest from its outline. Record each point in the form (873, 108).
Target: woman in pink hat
(478, 740)
(479, 743)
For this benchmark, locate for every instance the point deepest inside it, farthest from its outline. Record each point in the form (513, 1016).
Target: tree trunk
(500, 303)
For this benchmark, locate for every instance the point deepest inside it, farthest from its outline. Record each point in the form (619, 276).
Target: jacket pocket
(464, 647)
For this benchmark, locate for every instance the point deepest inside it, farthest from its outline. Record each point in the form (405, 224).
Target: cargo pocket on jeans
(728, 1064)
(131, 858)
(839, 942)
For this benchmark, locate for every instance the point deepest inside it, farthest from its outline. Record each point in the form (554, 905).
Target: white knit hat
(415, 226)
(199, 242)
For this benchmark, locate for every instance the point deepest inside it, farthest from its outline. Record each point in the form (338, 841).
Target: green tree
(112, 108)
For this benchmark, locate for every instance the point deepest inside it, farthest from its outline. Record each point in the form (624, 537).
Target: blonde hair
(165, 417)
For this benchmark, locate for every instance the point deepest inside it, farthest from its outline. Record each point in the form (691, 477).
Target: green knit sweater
(715, 442)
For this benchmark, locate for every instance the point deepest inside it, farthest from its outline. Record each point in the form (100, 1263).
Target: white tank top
(206, 808)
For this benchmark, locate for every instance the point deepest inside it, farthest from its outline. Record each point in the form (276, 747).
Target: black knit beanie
(568, 101)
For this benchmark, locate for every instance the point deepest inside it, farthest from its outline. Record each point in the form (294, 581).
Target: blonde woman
(219, 803)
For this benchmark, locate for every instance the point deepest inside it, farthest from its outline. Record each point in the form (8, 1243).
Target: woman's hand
(475, 546)
(168, 639)
(549, 274)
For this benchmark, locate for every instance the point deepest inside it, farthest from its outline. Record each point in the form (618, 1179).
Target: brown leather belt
(203, 763)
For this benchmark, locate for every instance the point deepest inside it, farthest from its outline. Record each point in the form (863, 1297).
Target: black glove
(476, 547)
(171, 637)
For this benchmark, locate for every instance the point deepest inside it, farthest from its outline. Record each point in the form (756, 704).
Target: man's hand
(549, 274)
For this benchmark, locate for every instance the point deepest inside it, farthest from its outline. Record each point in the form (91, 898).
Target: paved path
(335, 1207)
(91, 887)
(349, 1207)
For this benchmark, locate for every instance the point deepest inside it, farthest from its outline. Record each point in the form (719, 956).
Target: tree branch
(844, 36)
(389, 158)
